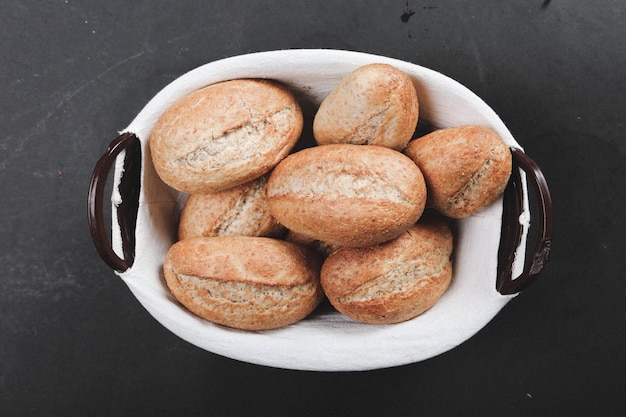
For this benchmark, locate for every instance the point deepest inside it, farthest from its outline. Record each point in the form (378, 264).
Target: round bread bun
(224, 135)
(466, 168)
(376, 104)
(347, 195)
(394, 281)
(239, 211)
(249, 283)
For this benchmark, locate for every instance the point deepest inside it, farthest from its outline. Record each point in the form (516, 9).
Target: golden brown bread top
(251, 283)
(466, 168)
(239, 211)
(375, 104)
(225, 134)
(347, 195)
(394, 281)
(244, 259)
(424, 248)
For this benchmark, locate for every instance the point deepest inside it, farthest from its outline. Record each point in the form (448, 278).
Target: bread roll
(395, 281)
(250, 283)
(466, 168)
(224, 135)
(239, 211)
(376, 104)
(347, 195)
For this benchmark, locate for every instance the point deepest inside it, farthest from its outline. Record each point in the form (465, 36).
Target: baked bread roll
(376, 104)
(395, 281)
(224, 135)
(466, 168)
(249, 283)
(347, 195)
(239, 211)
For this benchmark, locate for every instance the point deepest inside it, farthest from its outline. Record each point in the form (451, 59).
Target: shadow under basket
(491, 262)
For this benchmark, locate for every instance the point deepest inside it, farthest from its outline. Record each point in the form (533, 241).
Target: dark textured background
(74, 341)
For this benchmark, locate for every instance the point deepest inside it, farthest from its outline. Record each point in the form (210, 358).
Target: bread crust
(466, 168)
(225, 134)
(376, 104)
(249, 283)
(239, 211)
(394, 281)
(347, 195)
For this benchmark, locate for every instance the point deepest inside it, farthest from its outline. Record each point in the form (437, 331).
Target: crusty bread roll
(239, 211)
(466, 168)
(249, 283)
(376, 104)
(395, 281)
(347, 195)
(224, 135)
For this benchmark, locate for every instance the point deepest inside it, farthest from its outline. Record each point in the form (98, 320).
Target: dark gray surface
(73, 339)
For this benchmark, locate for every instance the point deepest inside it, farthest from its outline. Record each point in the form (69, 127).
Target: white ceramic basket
(145, 213)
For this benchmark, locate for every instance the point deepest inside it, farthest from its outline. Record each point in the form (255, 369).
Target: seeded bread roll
(347, 195)
(239, 211)
(249, 283)
(466, 168)
(376, 104)
(224, 135)
(395, 281)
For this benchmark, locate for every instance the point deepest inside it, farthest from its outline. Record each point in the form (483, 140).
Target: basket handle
(512, 228)
(127, 209)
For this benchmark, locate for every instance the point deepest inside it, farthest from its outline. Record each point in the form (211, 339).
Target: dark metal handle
(512, 229)
(126, 211)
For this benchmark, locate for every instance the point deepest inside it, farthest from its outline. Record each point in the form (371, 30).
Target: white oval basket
(326, 340)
